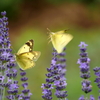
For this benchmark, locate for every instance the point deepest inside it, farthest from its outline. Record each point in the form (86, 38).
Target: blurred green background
(29, 19)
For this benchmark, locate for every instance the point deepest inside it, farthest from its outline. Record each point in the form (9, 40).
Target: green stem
(1, 88)
(12, 83)
(1, 91)
(86, 97)
(3, 95)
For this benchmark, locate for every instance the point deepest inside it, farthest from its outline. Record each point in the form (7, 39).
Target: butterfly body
(60, 39)
(26, 57)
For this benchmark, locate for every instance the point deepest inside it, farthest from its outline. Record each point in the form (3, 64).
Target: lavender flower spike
(81, 98)
(55, 77)
(26, 94)
(97, 80)
(60, 80)
(97, 73)
(91, 97)
(48, 86)
(8, 71)
(84, 68)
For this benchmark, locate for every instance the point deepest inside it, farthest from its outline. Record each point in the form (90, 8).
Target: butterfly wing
(27, 60)
(25, 57)
(27, 47)
(60, 40)
(24, 62)
(34, 55)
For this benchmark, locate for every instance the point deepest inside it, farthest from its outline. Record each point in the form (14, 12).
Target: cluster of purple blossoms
(97, 73)
(84, 70)
(9, 87)
(83, 98)
(97, 80)
(8, 71)
(25, 92)
(55, 77)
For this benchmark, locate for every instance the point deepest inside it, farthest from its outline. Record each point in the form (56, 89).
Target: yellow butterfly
(60, 39)
(26, 57)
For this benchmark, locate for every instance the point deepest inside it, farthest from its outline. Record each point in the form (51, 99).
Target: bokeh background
(29, 19)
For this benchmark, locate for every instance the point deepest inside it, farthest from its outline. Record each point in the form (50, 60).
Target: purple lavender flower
(48, 86)
(84, 68)
(60, 80)
(25, 92)
(97, 80)
(99, 98)
(55, 77)
(7, 65)
(97, 73)
(81, 98)
(86, 86)
(91, 97)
